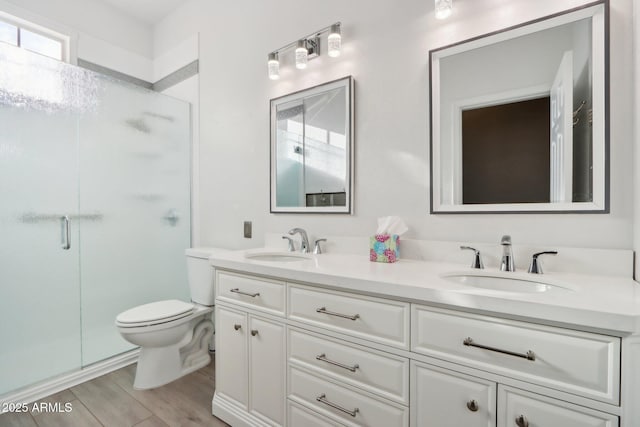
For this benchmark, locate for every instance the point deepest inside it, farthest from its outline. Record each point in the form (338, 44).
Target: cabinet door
(444, 398)
(231, 355)
(267, 370)
(518, 408)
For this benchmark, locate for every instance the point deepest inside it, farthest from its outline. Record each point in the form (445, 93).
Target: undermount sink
(498, 282)
(274, 256)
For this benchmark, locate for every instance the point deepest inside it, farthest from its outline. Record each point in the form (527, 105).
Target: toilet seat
(154, 313)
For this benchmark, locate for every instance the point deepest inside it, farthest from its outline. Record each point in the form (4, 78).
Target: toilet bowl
(173, 335)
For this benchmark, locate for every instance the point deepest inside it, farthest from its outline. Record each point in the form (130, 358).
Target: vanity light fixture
(443, 8)
(302, 55)
(274, 66)
(306, 49)
(334, 41)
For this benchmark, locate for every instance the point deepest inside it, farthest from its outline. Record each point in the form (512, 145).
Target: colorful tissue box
(384, 248)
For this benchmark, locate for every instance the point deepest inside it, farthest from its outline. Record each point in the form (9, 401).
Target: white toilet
(173, 335)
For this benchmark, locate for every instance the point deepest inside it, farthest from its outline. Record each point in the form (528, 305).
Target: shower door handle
(66, 239)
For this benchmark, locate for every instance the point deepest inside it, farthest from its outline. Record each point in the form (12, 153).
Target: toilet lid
(155, 311)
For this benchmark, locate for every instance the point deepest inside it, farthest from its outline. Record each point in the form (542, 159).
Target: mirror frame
(348, 84)
(601, 180)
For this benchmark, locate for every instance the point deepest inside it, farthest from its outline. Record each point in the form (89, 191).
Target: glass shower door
(39, 254)
(135, 177)
(94, 212)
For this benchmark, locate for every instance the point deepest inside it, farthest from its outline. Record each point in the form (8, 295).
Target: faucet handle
(477, 259)
(291, 246)
(317, 249)
(536, 266)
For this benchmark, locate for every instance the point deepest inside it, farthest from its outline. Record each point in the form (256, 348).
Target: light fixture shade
(334, 41)
(302, 55)
(273, 64)
(443, 8)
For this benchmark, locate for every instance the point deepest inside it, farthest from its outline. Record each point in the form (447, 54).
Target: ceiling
(149, 11)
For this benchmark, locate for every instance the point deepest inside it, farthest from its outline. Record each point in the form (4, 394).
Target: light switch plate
(247, 229)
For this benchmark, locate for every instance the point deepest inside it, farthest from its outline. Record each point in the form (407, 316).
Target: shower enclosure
(94, 212)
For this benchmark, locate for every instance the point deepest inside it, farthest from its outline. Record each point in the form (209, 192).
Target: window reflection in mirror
(311, 149)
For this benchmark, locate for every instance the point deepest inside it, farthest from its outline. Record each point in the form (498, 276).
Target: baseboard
(54, 385)
(228, 412)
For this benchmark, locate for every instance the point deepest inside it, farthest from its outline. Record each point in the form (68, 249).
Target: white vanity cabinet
(585, 365)
(250, 351)
(297, 355)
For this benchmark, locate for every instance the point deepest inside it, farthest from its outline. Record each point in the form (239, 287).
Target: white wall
(103, 34)
(386, 48)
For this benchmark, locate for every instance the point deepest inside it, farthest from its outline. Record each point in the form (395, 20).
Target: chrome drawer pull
(323, 358)
(332, 313)
(254, 332)
(238, 291)
(472, 405)
(323, 399)
(66, 239)
(522, 421)
(236, 327)
(529, 355)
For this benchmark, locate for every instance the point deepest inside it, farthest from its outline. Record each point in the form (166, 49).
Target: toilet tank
(200, 275)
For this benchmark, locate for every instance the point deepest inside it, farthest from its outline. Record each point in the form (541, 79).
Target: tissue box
(384, 248)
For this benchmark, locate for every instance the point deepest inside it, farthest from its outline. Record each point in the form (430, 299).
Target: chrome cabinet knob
(237, 327)
(522, 421)
(254, 332)
(472, 405)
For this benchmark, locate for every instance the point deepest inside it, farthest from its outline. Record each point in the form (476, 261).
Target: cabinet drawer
(257, 293)
(521, 408)
(372, 370)
(374, 319)
(344, 404)
(441, 397)
(299, 416)
(577, 362)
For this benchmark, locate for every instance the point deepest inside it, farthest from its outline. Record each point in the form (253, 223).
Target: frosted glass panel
(134, 172)
(114, 159)
(39, 281)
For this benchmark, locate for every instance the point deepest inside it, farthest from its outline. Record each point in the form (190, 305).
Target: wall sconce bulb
(443, 8)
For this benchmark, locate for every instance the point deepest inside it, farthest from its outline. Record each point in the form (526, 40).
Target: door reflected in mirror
(311, 149)
(519, 118)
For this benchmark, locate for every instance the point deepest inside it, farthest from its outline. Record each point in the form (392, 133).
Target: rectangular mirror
(312, 149)
(519, 118)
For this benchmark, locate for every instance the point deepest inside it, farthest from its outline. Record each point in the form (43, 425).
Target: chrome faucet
(536, 267)
(507, 254)
(291, 247)
(304, 242)
(477, 258)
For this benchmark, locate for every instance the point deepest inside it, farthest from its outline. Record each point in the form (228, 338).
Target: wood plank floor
(111, 401)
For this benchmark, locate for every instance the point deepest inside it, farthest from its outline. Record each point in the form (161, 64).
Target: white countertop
(592, 303)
